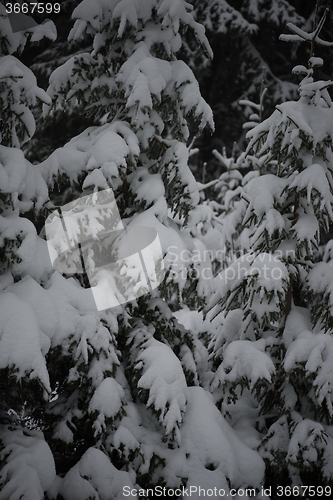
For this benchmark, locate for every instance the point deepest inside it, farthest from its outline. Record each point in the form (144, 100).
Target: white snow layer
(107, 148)
(163, 376)
(21, 340)
(29, 469)
(22, 92)
(94, 477)
(107, 401)
(246, 359)
(215, 453)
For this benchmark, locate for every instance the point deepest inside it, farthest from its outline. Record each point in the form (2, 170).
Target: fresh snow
(162, 375)
(21, 340)
(102, 149)
(20, 92)
(248, 360)
(94, 477)
(155, 384)
(215, 453)
(107, 401)
(29, 469)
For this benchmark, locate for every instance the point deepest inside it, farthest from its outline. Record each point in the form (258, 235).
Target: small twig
(318, 28)
(190, 146)
(316, 15)
(209, 184)
(204, 171)
(263, 91)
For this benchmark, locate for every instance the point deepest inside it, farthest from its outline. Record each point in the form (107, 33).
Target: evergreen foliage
(244, 38)
(274, 303)
(222, 377)
(25, 384)
(115, 398)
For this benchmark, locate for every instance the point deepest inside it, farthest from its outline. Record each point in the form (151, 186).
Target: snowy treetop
(171, 14)
(149, 74)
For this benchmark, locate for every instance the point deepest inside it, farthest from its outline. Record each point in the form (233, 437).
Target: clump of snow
(308, 440)
(31, 292)
(22, 232)
(175, 246)
(264, 280)
(244, 417)
(146, 187)
(20, 91)
(192, 320)
(189, 95)
(107, 148)
(320, 282)
(18, 39)
(215, 455)
(298, 321)
(175, 170)
(17, 175)
(63, 432)
(13, 169)
(231, 330)
(247, 360)
(68, 299)
(94, 477)
(29, 466)
(163, 378)
(316, 182)
(264, 192)
(39, 267)
(124, 439)
(315, 353)
(20, 340)
(46, 29)
(107, 400)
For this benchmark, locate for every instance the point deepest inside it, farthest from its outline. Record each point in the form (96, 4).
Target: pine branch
(301, 35)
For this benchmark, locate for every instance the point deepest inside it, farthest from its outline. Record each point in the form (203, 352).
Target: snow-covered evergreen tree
(244, 37)
(45, 58)
(276, 302)
(116, 395)
(230, 188)
(27, 465)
